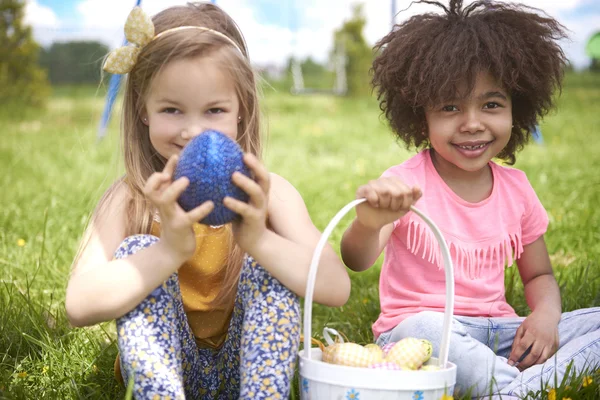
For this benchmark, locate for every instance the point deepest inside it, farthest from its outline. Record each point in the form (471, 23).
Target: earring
(145, 119)
(239, 118)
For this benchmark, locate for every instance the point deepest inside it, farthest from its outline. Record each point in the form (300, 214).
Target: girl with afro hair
(464, 87)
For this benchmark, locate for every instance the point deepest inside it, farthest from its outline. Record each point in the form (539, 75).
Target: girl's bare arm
(101, 288)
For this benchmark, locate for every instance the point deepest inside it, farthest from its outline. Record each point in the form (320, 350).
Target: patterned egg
(428, 349)
(208, 161)
(386, 348)
(353, 355)
(386, 365)
(376, 352)
(327, 355)
(409, 353)
(374, 348)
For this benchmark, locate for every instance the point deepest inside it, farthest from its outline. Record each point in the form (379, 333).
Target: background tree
(22, 81)
(74, 62)
(593, 51)
(359, 55)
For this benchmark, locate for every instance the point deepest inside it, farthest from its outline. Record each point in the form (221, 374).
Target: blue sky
(276, 29)
(270, 12)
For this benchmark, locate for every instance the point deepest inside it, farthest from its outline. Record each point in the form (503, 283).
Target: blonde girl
(201, 311)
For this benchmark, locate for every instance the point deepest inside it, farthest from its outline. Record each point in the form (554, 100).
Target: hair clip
(139, 31)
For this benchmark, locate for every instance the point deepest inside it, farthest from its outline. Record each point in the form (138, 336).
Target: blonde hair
(141, 159)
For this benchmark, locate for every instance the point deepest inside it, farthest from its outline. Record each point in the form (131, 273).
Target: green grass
(54, 171)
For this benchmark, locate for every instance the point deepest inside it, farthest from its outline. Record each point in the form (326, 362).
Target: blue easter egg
(208, 161)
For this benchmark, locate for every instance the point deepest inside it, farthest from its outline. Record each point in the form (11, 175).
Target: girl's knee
(255, 277)
(425, 325)
(133, 244)
(423, 322)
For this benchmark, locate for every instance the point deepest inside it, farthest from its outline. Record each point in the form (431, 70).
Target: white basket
(324, 381)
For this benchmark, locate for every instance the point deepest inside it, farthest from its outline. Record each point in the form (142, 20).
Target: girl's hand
(176, 231)
(539, 333)
(387, 200)
(249, 231)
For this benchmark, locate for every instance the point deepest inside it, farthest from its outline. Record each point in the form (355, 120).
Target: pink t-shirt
(482, 237)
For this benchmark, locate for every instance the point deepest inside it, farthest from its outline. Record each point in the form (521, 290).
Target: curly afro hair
(428, 58)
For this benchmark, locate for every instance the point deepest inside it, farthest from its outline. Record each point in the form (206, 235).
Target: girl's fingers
(384, 192)
(172, 193)
(368, 192)
(401, 196)
(240, 207)
(519, 347)
(169, 168)
(372, 198)
(417, 193)
(201, 211)
(396, 202)
(252, 188)
(389, 193)
(154, 183)
(261, 174)
(531, 358)
(546, 354)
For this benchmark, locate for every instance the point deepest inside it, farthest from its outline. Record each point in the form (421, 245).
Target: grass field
(54, 171)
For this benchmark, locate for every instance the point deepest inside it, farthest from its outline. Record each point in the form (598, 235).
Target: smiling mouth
(474, 145)
(479, 146)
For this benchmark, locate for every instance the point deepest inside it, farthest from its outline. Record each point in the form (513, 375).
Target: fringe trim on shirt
(465, 257)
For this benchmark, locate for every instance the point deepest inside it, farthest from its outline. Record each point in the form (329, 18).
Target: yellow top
(200, 280)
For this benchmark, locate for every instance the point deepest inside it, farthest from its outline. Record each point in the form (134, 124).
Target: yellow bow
(139, 31)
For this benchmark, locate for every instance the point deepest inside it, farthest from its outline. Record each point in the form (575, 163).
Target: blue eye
(216, 110)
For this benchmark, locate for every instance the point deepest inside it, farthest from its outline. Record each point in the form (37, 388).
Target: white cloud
(582, 30)
(37, 15)
(315, 20)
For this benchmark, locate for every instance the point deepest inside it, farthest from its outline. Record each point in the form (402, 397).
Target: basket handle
(448, 268)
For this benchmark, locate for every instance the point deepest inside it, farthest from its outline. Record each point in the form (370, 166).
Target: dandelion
(587, 380)
(446, 397)
(95, 368)
(22, 374)
(365, 301)
(21, 242)
(566, 398)
(45, 369)
(552, 394)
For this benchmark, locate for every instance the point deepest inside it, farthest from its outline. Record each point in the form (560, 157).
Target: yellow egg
(328, 353)
(409, 353)
(428, 349)
(352, 355)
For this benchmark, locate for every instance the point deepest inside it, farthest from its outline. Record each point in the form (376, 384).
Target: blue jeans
(480, 347)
